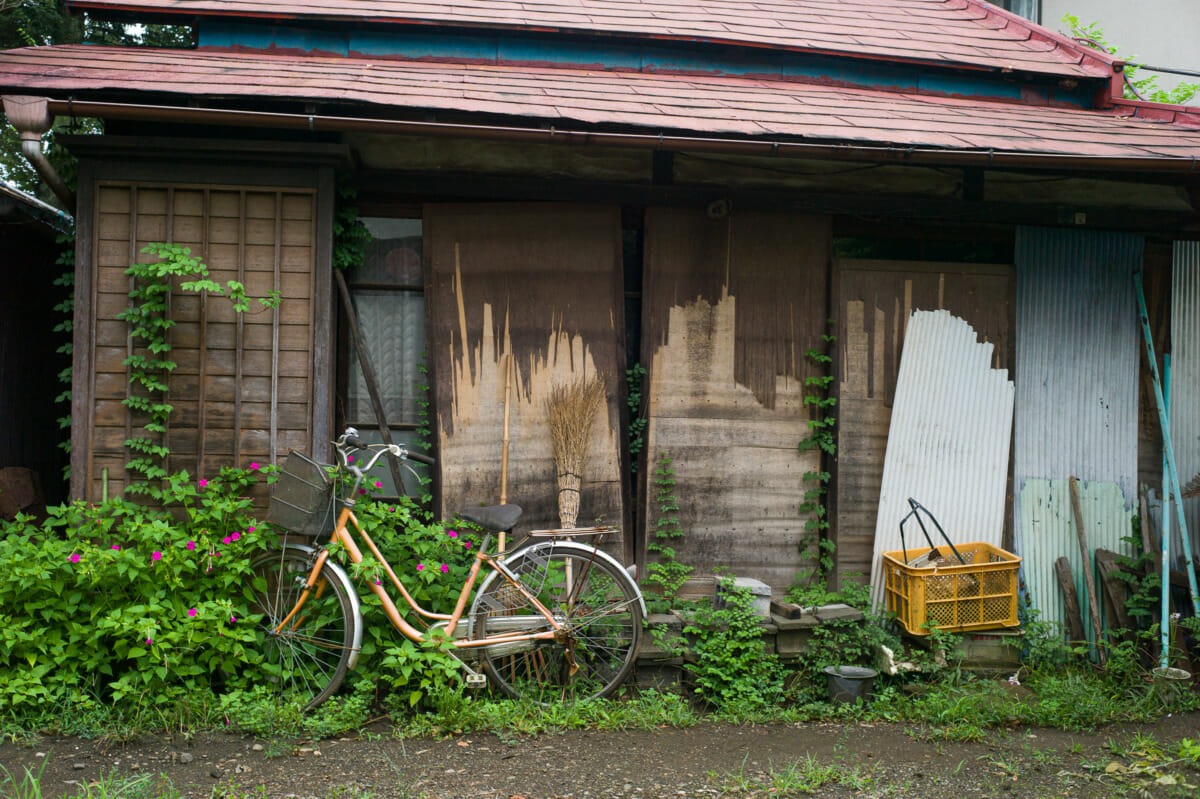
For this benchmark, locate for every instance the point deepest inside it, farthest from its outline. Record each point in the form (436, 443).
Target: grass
(804, 776)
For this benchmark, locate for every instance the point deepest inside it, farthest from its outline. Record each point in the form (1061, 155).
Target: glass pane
(393, 327)
(393, 256)
(383, 473)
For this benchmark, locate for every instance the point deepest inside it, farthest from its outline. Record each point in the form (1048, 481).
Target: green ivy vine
(148, 317)
(815, 541)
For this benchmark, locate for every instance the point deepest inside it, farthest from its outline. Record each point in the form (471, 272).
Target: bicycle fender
(586, 551)
(342, 577)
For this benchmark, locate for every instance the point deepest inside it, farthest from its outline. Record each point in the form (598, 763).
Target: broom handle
(504, 441)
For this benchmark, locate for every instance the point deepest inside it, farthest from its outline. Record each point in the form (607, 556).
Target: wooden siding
(243, 388)
(540, 284)
(874, 301)
(731, 305)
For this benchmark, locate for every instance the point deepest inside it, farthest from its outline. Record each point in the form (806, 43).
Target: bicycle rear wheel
(308, 657)
(597, 605)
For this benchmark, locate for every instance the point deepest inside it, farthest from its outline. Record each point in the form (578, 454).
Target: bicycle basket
(302, 499)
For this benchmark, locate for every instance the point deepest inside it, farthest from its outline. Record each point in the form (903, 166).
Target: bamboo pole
(364, 360)
(508, 366)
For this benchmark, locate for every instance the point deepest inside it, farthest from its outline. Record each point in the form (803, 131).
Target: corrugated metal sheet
(1044, 510)
(709, 104)
(1185, 376)
(1077, 381)
(948, 442)
(936, 32)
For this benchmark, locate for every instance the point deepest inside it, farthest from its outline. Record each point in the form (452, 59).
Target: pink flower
(362, 491)
(378, 484)
(75, 557)
(378, 583)
(203, 483)
(149, 640)
(391, 510)
(253, 466)
(452, 534)
(236, 536)
(117, 547)
(420, 566)
(226, 540)
(445, 568)
(155, 555)
(349, 459)
(192, 612)
(233, 619)
(191, 545)
(249, 529)
(467, 545)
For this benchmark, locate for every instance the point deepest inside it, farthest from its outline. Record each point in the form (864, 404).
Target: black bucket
(848, 684)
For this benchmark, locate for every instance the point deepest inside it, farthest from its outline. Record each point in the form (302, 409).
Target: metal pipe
(660, 141)
(32, 118)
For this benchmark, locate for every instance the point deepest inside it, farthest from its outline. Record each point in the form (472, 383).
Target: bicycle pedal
(476, 678)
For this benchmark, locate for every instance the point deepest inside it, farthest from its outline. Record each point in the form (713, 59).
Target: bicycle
(552, 620)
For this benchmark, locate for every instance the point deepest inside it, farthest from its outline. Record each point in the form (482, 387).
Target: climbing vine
(148, 317)
(815, 542)
(668, 573)
(66, 310)
(350, 235)
(634, 377)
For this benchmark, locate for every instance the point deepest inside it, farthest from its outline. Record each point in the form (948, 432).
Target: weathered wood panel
(243, 387)
(539, 284)
(731, 306)
(875, 298)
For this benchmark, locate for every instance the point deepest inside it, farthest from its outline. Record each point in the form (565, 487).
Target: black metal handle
(913, 514)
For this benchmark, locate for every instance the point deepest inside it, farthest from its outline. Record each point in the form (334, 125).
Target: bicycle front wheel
(597, 606)
(308, 656)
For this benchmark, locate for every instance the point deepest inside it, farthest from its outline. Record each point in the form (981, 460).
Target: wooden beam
(1062, 570)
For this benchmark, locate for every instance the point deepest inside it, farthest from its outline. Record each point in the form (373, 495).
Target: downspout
(32, 118)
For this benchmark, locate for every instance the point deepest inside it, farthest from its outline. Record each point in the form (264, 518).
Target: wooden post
(1085, 553)
(364, 361)
(1062, 570)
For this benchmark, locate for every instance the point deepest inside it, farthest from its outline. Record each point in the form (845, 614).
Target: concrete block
(760, 594)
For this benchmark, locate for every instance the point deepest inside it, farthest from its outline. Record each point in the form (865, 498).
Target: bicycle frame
(343, 536)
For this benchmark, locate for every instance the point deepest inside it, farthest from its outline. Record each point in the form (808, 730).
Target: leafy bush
(732, 670)
(127, 603)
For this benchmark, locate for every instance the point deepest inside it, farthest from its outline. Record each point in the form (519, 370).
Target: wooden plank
(730, 306)
(874, 300)
(1086, 557)
(541, 283)
(1116, 589)
(1066, 583)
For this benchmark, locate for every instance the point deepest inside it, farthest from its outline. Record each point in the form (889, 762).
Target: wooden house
(708, 189)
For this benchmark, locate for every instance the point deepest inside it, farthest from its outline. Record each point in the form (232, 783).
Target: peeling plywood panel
(1048, 522)
(948, 440)
(538, 284)
(1078, 343)
(1185, 376)
(874, 299)
(731, 306)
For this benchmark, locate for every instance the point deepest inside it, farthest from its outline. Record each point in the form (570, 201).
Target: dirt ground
(710, 760)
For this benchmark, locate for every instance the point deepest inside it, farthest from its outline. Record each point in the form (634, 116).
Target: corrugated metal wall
(1077, 380)
(948, 443)
(1185, 374)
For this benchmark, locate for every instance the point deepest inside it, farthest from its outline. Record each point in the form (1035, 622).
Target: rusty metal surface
(934, 31)
(703, 104)
(1185, 375)
(948, 442)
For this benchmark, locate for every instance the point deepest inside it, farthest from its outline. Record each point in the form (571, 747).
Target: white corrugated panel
(1185, 377)
(1044, 509)
(948, 442)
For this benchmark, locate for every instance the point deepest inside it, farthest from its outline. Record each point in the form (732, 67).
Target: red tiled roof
(949, 32)
(703, 105)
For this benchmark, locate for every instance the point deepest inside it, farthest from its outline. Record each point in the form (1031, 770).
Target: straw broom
(571, 410)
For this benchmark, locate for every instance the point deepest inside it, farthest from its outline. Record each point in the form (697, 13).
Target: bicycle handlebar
(350, 440)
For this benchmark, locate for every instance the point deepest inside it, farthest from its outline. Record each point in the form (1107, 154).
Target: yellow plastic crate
(978, 595)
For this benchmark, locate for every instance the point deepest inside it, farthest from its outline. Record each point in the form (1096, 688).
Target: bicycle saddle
(496, 518)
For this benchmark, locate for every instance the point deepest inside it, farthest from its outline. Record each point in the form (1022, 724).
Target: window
(389, 301)
(1030, 9)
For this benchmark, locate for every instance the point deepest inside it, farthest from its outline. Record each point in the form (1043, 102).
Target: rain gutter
(33, 118)
(661, 141)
